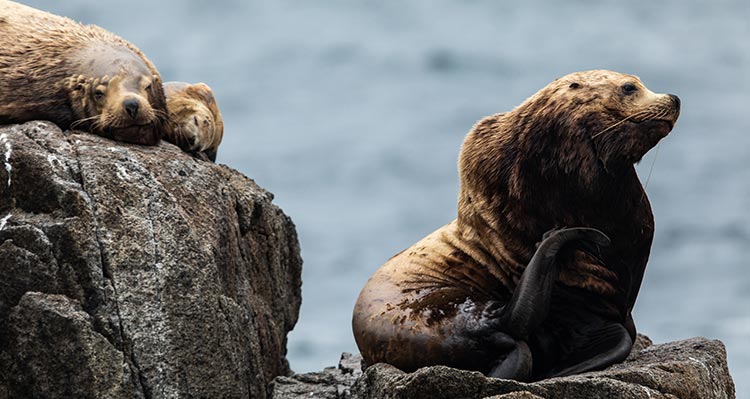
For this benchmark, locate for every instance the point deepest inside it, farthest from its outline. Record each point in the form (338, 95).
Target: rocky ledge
(137, 272)
(691, 369)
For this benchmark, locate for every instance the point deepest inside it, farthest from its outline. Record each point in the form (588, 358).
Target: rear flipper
(597, 346)
(517, 364)
(529, 305)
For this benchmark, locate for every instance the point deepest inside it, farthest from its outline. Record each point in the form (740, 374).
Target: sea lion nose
(675, 101)
(131, 106)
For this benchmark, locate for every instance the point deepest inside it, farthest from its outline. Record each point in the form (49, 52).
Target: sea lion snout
(669, 108)
(676, 104)
(131, 106)
(676, 101)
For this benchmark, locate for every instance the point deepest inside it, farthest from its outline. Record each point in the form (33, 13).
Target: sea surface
(352, 113)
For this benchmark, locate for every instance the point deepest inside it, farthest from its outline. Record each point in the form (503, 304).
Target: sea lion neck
(520, 179)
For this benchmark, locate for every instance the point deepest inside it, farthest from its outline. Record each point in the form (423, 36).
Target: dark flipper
(630, 326)
(516, 365)
(530, 302)
(599, 345)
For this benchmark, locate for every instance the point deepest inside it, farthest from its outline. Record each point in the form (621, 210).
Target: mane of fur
(536, 168)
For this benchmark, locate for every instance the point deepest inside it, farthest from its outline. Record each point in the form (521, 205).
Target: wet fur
(51, 67)
(445, 299)
(196, 123)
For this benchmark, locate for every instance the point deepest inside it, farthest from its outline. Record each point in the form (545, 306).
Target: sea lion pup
(505, 289)
(196, 124)
(76, 76)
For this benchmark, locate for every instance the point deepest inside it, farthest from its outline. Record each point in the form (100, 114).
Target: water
(352, 113)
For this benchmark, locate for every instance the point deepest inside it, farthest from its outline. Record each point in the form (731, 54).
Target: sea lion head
(117, 96)
(572, 142)
(615, 112)
(196, 123)
(581, 127)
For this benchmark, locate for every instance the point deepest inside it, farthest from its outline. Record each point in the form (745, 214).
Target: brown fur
(197, 126)
(563, 158)
(77, 76)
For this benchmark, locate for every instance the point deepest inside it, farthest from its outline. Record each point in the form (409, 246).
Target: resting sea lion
(505, 288)
(196, 124)
(77, 76)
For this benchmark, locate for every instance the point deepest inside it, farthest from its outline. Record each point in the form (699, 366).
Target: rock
(516, 395)
(56, 341)
(137, 272)
(331, 383)
(693, 368)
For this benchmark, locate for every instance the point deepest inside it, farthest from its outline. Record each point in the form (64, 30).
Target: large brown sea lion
(77, 76)
(507, 289)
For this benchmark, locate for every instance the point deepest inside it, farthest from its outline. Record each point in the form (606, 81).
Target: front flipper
(597, 346)
(529, 305)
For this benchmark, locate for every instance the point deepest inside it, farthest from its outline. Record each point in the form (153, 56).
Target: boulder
(691, 369)
(138, 272)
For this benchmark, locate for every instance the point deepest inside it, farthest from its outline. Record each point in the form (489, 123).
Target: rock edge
(138, 272)
(695, 368)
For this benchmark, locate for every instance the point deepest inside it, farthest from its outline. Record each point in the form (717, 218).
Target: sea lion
(196, 124)
(506, 288)
(77, 76)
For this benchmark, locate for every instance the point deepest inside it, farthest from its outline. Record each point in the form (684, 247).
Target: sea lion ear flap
(202, 92)
(158, 99)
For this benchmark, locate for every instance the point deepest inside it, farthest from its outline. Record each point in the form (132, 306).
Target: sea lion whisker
(616, 124)
(97, 126)
(664, 112)
(78, 122)
(656, 155)
(161, 113)
(650, 171)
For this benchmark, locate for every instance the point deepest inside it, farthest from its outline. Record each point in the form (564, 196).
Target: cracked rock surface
(691, 369)
(137, 272)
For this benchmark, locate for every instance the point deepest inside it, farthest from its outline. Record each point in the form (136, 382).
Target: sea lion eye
(574, 85)
(148, 88)
(629, 88)
(98, 94)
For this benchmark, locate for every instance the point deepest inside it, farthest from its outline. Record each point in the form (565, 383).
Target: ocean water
(352, 113)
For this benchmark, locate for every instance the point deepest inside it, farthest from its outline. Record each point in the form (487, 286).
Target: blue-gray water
(352, 114)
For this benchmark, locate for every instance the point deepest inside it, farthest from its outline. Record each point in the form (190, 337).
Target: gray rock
(331, 383)
(693, 368)
(55, 341)
(137, 272)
